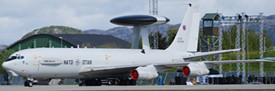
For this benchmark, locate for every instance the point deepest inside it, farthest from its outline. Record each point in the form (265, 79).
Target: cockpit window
(20, 57)
(14, 57)
(11, 58)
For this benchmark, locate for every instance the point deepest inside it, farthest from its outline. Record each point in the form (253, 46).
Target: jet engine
(195, 69)
(144, 73)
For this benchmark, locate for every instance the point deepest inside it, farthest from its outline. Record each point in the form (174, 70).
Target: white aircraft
(124, 66)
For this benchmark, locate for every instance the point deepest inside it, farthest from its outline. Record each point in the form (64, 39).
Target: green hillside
(54, 30)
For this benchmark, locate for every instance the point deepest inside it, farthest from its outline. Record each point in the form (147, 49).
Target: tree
(162, 43)
(4, 56)
(88, 45)
(171, 33)
(229, 39)
(109, 45)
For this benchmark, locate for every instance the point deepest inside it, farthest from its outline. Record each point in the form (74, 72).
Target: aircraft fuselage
(67, 62)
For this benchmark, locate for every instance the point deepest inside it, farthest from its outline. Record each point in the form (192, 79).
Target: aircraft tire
(121, 82)
(98, 82)
(133, 82)
(28, 83)
(127, 82)
(80, 84)
(92, 82)
(111, 82)
(124, 82)
(117, 82)
(88, 82)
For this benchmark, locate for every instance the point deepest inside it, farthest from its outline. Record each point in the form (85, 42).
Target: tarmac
(139, 87)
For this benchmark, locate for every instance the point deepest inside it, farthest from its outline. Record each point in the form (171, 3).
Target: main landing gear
(98, 82)
(127, 82)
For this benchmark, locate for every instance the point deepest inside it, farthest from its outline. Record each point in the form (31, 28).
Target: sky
(19, 17)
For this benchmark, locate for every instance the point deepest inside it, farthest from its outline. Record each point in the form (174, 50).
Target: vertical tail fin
(186, 39)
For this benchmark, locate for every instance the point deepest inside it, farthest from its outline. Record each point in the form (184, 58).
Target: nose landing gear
(28, 83)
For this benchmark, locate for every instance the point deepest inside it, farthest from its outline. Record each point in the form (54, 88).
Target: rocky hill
(125, 33)
(54, 30)
(3, 47)
(269, 26)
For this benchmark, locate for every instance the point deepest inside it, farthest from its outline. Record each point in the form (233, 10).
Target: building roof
(211, 16)
(93, 39)
(79, 39)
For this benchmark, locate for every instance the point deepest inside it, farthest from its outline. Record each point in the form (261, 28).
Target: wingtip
(269, 58)
(236, 49)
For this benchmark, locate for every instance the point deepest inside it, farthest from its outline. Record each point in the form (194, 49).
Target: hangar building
(67, 41)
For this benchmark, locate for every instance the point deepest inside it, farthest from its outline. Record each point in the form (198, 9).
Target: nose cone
(5, 65)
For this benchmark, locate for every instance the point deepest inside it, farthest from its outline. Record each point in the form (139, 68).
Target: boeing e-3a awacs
(125, 65)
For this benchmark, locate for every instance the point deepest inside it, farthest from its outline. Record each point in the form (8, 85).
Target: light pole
(61, 41)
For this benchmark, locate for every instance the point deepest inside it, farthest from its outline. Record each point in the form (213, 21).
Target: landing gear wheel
(88, 82)
(133, 82)
(81, 82)
(98, 82)
(127, 82)
(111, 82)
(121, 82)
(92, 82)
(117, 81)
(28, 83)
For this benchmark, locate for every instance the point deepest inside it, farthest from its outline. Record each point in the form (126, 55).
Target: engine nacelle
(144, 73)
(195, 69)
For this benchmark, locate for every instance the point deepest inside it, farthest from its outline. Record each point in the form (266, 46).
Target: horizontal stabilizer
(202, 54)
(235, 61)
(175, 64)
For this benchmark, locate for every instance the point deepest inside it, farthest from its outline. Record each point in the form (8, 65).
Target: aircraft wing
(174, 64)
(269, 58)
(126, 68)
(201, 54)
(109, 69)
(235, 61)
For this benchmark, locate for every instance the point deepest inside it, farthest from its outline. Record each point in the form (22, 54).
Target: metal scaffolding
(261, 44)
(238, 46)
(153, 10)
(240, 21)
(220, 42)
(211, 38)
(153, 7)
(243, 47)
